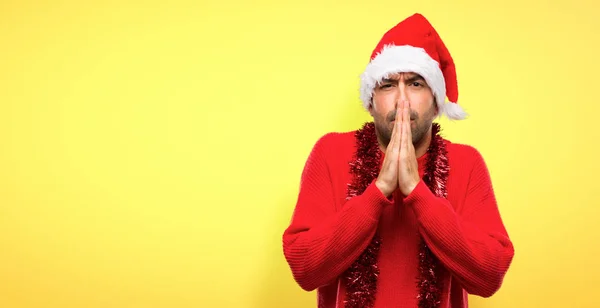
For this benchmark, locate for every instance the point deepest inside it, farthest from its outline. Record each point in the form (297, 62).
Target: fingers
(405, 137)
(394, 144)
(407, 146)
(410, 144)
(397, 132)
(408, 127)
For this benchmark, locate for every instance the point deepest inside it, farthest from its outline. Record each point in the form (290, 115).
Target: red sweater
(465, 231)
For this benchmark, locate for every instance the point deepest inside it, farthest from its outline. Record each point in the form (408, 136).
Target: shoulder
(467, 166)
(335, 141)
(463, 154)
(334, 148)
(328, 154)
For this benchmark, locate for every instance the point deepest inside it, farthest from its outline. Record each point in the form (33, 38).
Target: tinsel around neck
(361, 277)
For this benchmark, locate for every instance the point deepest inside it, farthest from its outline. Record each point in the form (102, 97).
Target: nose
(402, 90)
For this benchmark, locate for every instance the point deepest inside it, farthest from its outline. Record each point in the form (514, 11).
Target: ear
(371, 108)
(436, 107)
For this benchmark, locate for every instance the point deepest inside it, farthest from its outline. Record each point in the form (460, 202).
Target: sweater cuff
(375, 200)
(420, 199)
(423, 201)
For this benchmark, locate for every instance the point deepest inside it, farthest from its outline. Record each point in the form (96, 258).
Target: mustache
(392, 115)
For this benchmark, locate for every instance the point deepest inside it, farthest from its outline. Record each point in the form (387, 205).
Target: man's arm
(320, 242)
(474, 246)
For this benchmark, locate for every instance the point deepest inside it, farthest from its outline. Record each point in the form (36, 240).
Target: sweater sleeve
(321, 242)
(474, 246)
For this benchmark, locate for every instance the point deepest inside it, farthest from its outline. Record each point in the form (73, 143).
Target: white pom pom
(453, 111)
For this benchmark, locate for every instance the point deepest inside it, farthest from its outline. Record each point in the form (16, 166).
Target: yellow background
(150, 151)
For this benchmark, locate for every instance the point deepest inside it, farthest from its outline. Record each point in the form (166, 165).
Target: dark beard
(384, 133)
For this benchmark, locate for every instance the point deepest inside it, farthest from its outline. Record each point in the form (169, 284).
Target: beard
(384, 127)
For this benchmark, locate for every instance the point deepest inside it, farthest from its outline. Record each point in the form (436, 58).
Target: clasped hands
(400, 168)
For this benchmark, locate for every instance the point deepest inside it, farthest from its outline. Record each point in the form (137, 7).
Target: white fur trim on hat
(404, 59)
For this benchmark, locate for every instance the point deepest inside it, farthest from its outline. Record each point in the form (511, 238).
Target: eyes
(388, 85)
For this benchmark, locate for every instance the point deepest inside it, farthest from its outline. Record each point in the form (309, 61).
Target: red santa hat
(413, 45)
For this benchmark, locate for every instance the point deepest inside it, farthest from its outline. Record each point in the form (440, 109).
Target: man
(392, 214)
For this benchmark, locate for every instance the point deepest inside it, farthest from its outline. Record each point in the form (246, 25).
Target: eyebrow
(408, 80)
(414, 78)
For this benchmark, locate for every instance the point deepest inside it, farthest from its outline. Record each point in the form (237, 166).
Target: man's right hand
(387, 181)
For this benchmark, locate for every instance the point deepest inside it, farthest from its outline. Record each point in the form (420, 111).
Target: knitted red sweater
(465, 231)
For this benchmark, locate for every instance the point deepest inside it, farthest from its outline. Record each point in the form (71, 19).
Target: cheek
(385, 101)
(421, 101)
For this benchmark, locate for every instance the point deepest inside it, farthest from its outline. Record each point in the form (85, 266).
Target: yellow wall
(151, 150)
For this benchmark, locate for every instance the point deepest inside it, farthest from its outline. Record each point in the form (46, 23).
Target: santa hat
(414, 46)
